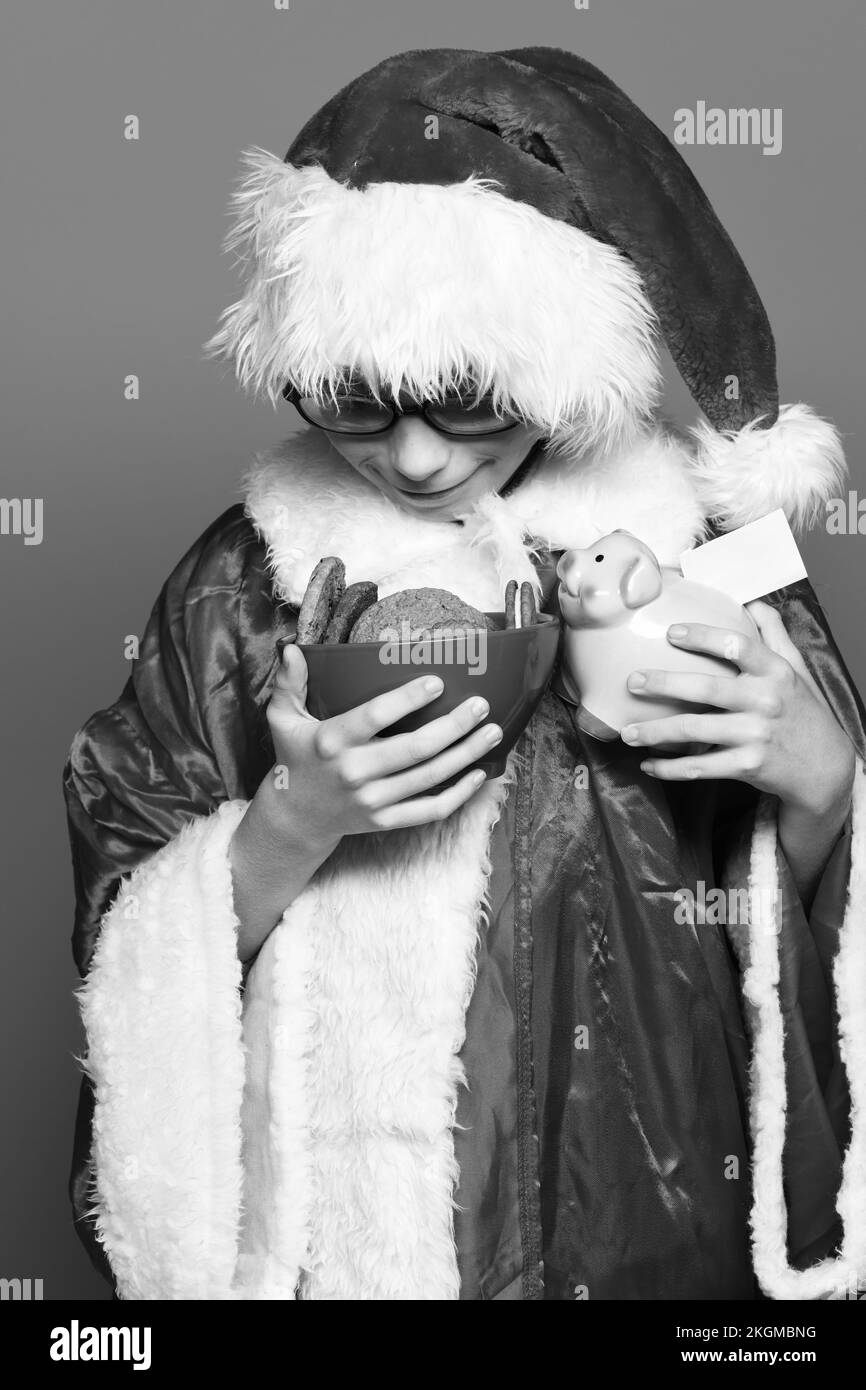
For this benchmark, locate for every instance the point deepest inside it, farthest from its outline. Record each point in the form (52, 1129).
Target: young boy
(351, 1035)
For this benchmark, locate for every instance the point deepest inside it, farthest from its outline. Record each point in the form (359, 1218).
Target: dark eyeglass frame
(295, 398)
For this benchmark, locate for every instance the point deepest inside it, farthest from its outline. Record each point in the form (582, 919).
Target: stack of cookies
(333, 612)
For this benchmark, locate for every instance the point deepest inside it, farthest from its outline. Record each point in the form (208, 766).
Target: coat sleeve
(805, 992)
(154, 786)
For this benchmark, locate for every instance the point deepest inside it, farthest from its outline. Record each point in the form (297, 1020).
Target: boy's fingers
(751, 655)
(725, 730)
(423, 809)
(426, 777)
(385, 756)
(775, 634)
(361, 724)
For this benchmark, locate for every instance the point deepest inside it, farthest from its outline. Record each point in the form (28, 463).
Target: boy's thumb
(290, 686)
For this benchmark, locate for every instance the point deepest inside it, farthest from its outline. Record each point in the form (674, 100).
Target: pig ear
(641, 583)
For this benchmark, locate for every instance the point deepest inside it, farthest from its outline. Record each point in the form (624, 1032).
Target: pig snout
(588, 592)
(568, 572)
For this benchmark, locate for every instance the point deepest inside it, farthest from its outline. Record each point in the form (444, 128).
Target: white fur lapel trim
(844, 1276)
(161, 1008)
(354, 1016)
(307, 502)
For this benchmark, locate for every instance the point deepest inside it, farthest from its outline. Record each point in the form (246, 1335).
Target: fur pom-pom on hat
(797, 464)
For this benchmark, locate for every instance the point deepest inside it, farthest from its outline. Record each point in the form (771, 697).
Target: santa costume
(479, 1059)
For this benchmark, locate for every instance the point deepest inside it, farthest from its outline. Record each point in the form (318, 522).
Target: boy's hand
(773, 729)
(333, 777)
(341, 780)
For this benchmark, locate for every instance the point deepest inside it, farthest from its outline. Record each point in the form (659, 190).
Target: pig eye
(598, 559)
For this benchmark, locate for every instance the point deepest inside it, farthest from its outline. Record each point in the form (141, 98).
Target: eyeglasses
(358, 412)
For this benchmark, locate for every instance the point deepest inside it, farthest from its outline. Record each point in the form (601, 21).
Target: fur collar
(306, 502)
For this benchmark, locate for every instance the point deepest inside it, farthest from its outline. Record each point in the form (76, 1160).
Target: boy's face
(433, 474)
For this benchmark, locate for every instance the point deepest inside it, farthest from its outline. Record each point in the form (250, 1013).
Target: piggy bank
(617, 604)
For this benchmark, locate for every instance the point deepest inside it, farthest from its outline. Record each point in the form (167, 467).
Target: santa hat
(513, 218)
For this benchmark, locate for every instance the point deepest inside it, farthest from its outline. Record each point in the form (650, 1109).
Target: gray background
(111, 264)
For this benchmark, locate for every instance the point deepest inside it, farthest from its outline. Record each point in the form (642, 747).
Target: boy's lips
(441, 495)
(438, 495)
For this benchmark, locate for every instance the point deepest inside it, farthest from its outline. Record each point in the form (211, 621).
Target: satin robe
(603, 1140)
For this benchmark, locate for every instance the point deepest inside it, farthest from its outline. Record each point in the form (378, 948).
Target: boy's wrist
(826, 802)
(272, 858)
(279, 827)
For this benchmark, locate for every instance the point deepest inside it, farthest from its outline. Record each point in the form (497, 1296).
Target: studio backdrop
(122, 128)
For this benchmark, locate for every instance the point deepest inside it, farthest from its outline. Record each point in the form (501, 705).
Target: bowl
(509, 667)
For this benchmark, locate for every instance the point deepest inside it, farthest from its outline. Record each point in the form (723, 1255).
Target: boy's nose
(417, 450)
